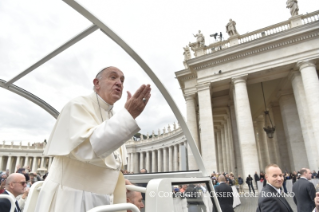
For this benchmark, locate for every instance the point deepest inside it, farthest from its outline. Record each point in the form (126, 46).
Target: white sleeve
(108, 137)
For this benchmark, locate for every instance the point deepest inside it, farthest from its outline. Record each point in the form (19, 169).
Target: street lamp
(269, 129)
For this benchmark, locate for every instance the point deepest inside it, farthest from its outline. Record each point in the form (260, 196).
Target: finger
(129, 95)
(145, 92)
(139, 91)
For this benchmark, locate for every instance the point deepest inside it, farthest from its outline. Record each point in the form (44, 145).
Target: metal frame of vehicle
(98, 24)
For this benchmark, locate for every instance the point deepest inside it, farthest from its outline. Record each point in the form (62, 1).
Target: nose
(119, 83)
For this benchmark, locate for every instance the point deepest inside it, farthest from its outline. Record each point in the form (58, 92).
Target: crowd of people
(239, 182)
(17, 185)
(273, 183)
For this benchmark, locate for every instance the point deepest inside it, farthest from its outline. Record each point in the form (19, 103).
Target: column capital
(204, 86)
(306, 63)
(293, 74)
(189, 97)
(239, 79)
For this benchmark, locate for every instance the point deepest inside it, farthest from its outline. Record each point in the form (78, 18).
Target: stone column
(263, 142)
(18, 162)
(260, 158)
(154, 161)
(235, 139)
(245, 126)
(224, 150)
(227, 152)
(34, 164)
(274, 140)
(129, 162)
(135, 163)
(9, 165)
(220, 151)
(26, 162)
(282, 141)
(207, 134)
(296, 145)
(231, 144)
(175, 158)
(147, 162)
(132, 162)
(165, 160)
(142, 166)
(311, 85)
(159, 161)
(170, 158)
(42, 162)
(192, 125)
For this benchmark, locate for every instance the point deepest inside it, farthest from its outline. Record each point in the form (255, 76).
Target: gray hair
(99, 75)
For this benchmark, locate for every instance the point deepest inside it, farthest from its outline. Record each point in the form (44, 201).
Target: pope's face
(110, 86)
(275, 177)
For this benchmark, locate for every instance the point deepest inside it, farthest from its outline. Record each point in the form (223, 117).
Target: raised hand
(135, 104)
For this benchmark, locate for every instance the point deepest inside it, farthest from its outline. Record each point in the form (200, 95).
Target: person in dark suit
(256, 178)
(224, 194)
(304, 191)
(15, 185)
(270, 199)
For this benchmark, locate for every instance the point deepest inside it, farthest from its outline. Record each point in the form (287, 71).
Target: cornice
(256, 46)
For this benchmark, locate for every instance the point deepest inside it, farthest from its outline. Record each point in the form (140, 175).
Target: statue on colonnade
(293, 6)
(187, 53)
(200, 39)
(231, 28)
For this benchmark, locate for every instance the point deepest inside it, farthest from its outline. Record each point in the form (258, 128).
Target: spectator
(135, 198)
(304, 191)
(294, 177)
(224, 194)
(240, 182)
(314, 174)
(15, 185)
(256, 178)
(284, 184)
(249, 181)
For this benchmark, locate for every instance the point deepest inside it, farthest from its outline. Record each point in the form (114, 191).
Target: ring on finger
(144, 99)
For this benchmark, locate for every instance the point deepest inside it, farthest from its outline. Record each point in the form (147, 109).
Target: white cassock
(88, 156)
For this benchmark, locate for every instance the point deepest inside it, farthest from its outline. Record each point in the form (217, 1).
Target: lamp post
(268, 129)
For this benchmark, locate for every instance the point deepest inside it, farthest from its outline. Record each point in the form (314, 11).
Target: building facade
(230, 84)
(14, 155)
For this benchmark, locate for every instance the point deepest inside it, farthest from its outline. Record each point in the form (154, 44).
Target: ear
(96, 83)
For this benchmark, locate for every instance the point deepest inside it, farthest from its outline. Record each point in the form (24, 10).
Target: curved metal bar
(57, 51)
(75, 5)
(29, 96)
(136, 188)
(12, 201)
(115, 207)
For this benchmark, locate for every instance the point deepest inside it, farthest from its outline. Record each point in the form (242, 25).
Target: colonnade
(11, 162)
(240, 143)
(165, 159)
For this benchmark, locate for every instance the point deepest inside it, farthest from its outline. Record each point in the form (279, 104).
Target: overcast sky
(156, 30)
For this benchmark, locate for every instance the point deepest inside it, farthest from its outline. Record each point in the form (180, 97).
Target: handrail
(136, 188)
(12, 201)
(115, 207)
